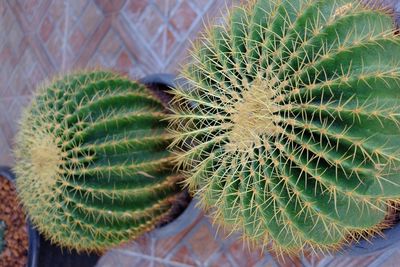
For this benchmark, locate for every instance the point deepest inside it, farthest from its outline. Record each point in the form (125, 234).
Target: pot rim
(390, 239)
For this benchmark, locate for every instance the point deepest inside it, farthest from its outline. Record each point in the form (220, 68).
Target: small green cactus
(2, 235)
(290, 131)
(91, 161)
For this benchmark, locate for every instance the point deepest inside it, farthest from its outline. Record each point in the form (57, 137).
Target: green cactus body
(290, 130)
(2, 235)
(91, 161)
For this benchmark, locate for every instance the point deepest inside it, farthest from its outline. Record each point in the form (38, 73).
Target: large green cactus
(2, 235)
(290, 131)
(91, 161)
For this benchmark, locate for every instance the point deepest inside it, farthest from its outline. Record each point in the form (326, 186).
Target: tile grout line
(152, 259)
(183, 242)
(169, 27)
(305, 262)
(140, 40)
(176, 35)
(152, 246)
(223, 248)
(147, 44)
(78, 25)
(325, 261)
(65, 36)
(382, 258)
(165, 34)
(121, 26)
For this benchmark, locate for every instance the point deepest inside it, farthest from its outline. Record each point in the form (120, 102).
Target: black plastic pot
(51, 255)
(33, 250)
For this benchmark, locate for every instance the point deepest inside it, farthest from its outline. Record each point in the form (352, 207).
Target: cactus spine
(92, 166)
(290, 130)
(2, 235)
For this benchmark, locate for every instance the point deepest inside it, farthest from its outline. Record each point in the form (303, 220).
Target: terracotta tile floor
(39, 38)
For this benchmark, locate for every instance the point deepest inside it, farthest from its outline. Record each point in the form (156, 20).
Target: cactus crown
(91, 161)
(290, 129)
(2, 235)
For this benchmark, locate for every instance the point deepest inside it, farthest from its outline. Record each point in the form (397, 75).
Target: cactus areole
(92, 164)
(290, 131)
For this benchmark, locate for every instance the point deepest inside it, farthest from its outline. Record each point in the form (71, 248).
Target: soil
(178, 207)
(15, 253)
(160, 91)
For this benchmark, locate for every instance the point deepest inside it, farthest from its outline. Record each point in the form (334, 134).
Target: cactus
(290, 129)
(2, 235)
(91, 161)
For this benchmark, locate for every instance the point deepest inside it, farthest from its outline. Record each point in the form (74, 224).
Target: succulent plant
(91, 161)
(289, 131)
(2, 235)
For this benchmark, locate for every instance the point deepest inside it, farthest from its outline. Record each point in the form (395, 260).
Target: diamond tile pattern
(192, 242)
(164, 26)
(39, 38)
